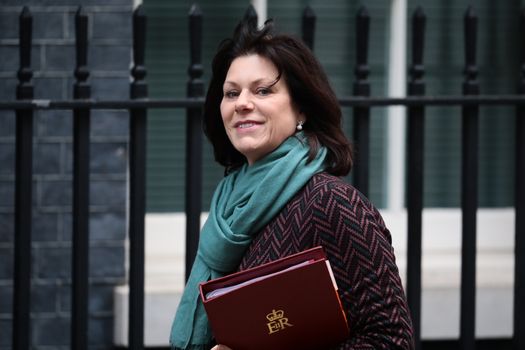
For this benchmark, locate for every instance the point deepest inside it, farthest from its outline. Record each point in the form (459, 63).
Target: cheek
(224, 112)
(227, 109)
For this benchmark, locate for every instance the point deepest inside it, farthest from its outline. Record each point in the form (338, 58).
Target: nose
(243, 102)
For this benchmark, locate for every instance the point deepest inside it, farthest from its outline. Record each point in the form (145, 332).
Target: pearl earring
(299, 126)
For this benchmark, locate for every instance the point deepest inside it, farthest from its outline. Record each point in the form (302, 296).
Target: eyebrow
(255, 82)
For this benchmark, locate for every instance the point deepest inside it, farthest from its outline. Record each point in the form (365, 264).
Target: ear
(301, 115)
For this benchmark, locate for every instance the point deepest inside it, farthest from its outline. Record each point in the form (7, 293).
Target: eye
(264, 91)
(231, 94)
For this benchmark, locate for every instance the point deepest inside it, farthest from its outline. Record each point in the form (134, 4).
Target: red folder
(290, 303)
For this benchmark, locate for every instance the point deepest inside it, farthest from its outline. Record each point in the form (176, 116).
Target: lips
(245, 124)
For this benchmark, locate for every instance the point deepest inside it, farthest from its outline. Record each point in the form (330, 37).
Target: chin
(247, 146)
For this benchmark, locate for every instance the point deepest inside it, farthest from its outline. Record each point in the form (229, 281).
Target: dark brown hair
(307, 83)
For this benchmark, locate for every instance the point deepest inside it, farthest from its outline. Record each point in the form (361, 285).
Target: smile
(246, 125)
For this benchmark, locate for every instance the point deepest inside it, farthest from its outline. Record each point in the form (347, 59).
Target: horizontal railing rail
(351, 101)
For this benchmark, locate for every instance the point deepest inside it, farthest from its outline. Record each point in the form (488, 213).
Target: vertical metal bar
(81, 127)
(519, 265)
(195, 88)
(362, 114)
(23, 192)
(308, 27)
(519, 276)
(415, 152)
(469, 187)
(137, 169)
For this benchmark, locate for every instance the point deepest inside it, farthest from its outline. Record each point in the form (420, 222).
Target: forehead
(251, 68)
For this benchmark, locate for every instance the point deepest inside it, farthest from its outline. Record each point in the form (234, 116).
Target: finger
(220, 347)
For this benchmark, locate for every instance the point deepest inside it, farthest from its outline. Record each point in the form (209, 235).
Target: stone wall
(53, 64)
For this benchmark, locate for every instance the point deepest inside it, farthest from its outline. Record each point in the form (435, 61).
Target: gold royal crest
(277, 321)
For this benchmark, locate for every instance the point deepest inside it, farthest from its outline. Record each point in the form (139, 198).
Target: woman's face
(257, 113)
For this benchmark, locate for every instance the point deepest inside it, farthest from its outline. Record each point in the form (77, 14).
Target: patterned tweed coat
(333, 214)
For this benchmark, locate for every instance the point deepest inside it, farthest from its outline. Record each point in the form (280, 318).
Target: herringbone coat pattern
(331, 213)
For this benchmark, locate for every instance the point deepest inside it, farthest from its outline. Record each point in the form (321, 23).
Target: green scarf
(243, 203)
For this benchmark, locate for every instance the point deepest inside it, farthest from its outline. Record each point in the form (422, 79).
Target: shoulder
(334, 202)
(323, 183)
(324, 187)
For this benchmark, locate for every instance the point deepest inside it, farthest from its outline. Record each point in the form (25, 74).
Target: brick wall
(53, 63)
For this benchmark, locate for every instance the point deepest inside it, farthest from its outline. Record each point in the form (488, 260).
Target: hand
(220, 347)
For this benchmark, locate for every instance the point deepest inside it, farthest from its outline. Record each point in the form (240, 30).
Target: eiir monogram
(277, 321)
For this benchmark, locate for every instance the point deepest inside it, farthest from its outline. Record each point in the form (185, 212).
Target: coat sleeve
(359, 248)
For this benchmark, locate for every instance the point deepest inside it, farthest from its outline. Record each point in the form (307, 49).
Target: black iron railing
(138, 106)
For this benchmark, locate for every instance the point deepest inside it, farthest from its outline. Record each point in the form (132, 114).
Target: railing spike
(195, 10)
(362, 31)
(363, 11)
(25, 34)
(139, 10)
(195, 69)
(250, 16)
(81, 43)
(522, 52)
(308, 29)
(418, 33)
(80, 11)
(419, 12)
(139, 87)
(308, 12)
(470, 28)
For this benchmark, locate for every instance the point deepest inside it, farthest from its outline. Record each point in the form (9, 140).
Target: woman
(275, 125)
